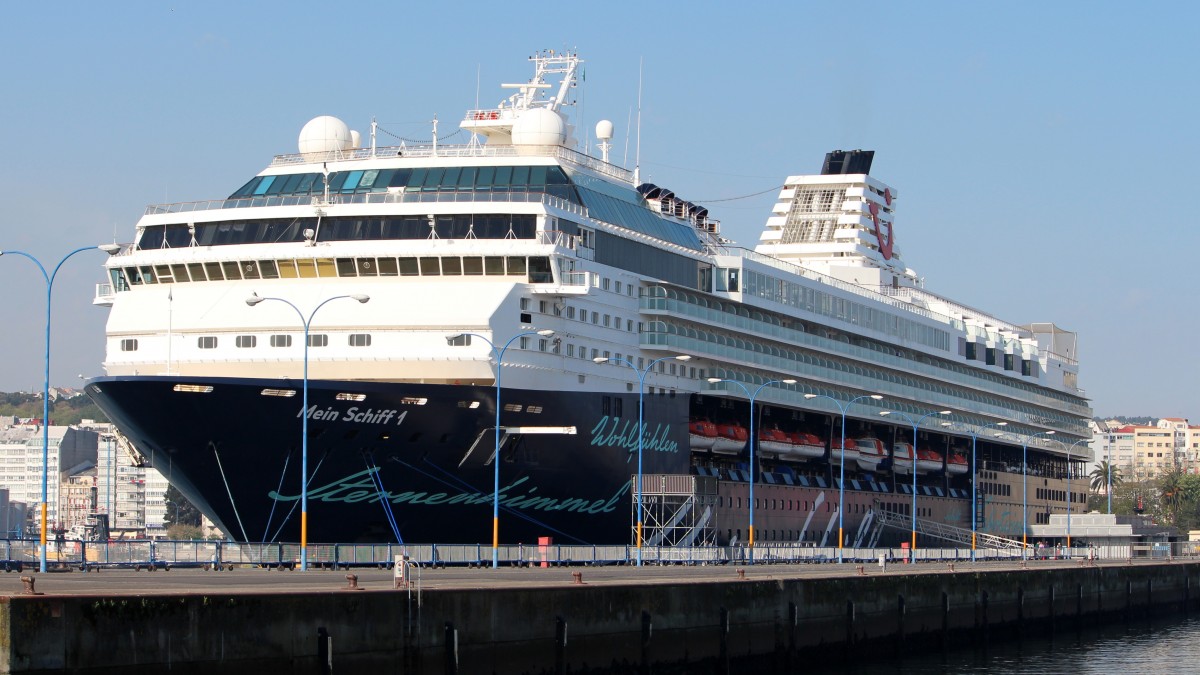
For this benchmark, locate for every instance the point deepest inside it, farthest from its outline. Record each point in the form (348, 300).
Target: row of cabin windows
(1059, 495)
(654, 296)
(559, 309)
(432, 179)
(251, 341)
(971, 351)
(730, 344)
(536, 269)
(556, 346)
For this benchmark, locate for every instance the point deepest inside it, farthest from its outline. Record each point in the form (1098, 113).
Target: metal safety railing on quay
(19, 554)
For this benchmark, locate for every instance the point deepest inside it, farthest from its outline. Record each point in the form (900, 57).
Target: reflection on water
(1171, 645)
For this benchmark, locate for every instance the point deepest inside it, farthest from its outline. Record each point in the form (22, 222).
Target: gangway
(958, 535)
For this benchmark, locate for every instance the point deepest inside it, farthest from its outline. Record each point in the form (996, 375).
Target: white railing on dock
(22, 553)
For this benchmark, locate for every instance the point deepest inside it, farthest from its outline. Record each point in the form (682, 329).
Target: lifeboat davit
(703, 434)
(902, 458)
(836, 452)
(731, 438)
(928, 461)
(773, 442)
(806, 446)
(871, 452)
(957, 464)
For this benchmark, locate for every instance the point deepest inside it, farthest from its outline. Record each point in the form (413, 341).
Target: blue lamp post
(1109, 486)
(975, 480)
(1025, 488)
(915, 427)
(1070, 497)
(642, 372)
(842, 473)
(715, 380)
(253, 300)
(499, 354)
(49, 278)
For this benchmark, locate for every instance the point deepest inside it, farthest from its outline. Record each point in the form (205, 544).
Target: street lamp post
(499, 354)
(254, 300)
(915, 427)
(842, 471)
(1108, 489)
(642, 372)
(715, 380)
(1025, 488)
(49, 279)
(975, 480)
(1070, 497)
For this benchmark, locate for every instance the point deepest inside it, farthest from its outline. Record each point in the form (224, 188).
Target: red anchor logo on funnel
(884, 247)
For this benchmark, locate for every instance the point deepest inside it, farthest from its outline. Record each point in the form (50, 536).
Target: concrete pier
(550, 621)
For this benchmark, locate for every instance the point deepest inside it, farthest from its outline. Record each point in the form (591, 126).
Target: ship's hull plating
(425, 451)
(422, 455)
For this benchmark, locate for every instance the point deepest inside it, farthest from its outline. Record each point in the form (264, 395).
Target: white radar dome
(539, 126)
(324, 134)
(355, 139)
(604, 130)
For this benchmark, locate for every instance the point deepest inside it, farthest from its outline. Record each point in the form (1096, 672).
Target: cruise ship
(398, 291)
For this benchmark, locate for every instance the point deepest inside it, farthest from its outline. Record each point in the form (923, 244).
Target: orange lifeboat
(703, 434)
(836, 453)
(731, 438)
(806, 446)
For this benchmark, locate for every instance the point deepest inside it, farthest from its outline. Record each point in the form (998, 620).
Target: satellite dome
(324, 134)
(539, 126)
(604, 130)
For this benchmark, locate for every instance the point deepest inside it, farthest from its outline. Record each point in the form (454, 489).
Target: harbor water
(1168, 644)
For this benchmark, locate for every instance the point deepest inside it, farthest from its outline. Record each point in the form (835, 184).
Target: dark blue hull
(424, 452)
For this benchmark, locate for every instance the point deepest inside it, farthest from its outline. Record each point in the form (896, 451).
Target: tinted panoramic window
(548, 179)
(225, 233)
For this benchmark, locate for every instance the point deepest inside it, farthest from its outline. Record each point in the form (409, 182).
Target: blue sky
(1044, 152)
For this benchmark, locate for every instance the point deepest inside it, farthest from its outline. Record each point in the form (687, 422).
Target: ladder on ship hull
(958, 535)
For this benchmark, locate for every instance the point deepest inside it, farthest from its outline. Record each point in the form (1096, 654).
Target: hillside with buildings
(95, 487)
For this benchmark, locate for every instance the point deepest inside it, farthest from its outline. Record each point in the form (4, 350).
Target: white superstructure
(400, 278)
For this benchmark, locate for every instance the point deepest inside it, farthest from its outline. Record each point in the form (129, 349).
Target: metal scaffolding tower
(678, 509)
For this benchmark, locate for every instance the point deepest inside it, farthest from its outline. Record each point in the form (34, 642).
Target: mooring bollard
(741, 573)
(352, 583)
(577, 577)
(861, 572)
(28, 581)
(950, 567)
(400, 572)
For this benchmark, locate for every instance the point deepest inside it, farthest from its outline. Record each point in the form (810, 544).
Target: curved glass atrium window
(548, 179)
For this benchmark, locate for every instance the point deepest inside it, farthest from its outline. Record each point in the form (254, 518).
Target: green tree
(179, 510)
(184, 533)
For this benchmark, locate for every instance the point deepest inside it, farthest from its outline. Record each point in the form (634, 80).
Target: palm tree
(1170, 487)
(1100, 477)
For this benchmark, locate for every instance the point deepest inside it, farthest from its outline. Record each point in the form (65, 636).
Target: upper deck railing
(390, 197)
(784, 266)
(558, 152)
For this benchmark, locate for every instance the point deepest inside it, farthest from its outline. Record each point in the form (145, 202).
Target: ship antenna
(474, 138)
(628, 123)
(637, 157)
(374, 125)
(434, 136)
